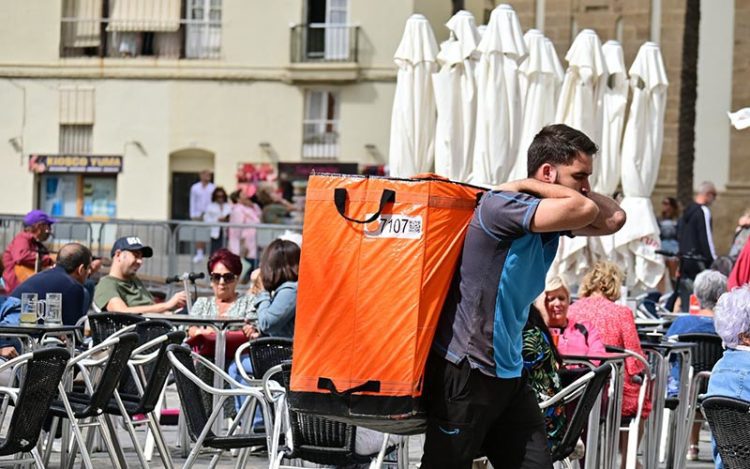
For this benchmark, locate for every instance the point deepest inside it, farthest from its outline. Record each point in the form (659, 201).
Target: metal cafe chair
(149, 370)
(44, 370)
(78, 407)
(200, 420)
(584, 391)
(311, 437)
(729, 419)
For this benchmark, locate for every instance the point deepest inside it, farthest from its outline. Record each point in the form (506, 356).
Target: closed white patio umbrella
(456, 99)
(541, 76)
(498, 102)
(641, 155)
(614, 105)
(579, 107)
(413, 117)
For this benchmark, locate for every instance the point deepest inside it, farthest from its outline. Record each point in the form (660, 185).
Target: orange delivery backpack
(378, 257)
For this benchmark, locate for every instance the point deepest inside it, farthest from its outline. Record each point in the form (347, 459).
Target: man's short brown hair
(558, 144)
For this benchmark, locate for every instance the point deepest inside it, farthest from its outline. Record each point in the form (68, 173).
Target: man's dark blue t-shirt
(502, 270)
(56, 280)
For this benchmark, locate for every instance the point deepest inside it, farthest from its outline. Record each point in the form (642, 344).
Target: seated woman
(274, 296)
(274, 285)
(599, 290)
(224, 269)
(541, 361)
(573, 338)
(729, 376)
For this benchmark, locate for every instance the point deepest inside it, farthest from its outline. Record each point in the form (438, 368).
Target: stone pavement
(101, 460)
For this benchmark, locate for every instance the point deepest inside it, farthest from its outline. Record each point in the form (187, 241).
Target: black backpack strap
(584, 332)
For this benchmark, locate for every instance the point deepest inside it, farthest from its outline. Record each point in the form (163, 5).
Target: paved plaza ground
(257, 461)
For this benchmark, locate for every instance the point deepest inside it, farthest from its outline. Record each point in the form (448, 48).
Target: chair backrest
(104, 325)
(44, 371)
(159, 371)
(318, 439)
(146, 331)
(189, 392)
(706, 353)
(267, 352)
(116, 367)
(581, 413)
(729, 420)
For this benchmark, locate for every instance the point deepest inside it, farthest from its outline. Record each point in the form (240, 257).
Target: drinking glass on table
(54, 308)
(29, 306)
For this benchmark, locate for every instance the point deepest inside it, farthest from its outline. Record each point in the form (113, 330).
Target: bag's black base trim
(403, 415)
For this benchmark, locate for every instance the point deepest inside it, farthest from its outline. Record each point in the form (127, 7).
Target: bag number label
(394, 226)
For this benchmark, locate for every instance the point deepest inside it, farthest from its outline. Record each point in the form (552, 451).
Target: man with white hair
(708, 287)
(695, 238)
(729, 376)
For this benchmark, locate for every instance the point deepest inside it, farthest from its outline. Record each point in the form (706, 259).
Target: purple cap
(37, 216)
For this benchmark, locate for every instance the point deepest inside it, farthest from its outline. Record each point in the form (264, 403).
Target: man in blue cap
(122, 291)
(26, 254)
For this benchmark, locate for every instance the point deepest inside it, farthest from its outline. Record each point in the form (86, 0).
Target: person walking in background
(670, 214)
(26, 255)
(695, 238)
(200, 197)
(242, 241)
(217, 211)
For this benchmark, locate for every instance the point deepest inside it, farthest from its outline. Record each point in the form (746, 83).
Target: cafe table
(679, 432)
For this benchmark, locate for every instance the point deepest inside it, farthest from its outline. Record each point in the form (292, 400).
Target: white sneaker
(198, 257)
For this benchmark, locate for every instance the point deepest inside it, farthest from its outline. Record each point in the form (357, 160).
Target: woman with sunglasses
(224, 269)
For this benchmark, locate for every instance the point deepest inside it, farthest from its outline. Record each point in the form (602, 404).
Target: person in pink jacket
(242, 241)
(573, 337)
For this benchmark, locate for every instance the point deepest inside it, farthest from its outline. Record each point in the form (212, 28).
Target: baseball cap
(37, 216)
(131, 243)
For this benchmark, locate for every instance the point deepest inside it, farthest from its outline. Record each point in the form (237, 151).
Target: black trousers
(471, 414)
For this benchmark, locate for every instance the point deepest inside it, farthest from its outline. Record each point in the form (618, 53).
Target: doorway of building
(185, 167)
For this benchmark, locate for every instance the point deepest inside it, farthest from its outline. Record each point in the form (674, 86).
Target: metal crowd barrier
(173, 241)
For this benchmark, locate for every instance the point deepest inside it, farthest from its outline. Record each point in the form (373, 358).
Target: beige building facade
(170, 87)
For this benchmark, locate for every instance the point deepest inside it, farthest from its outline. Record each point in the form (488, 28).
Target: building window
(75, 139)
(133, 28)
(326, 35)
(320, 129)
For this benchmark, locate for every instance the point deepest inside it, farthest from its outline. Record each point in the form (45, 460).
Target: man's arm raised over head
(609, 220)
(561, 208)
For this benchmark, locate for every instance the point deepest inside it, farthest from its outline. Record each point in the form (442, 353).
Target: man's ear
(547, 173)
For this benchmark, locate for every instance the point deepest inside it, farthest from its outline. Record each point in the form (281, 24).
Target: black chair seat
(671, 403)
(234, 441)
(81, 409)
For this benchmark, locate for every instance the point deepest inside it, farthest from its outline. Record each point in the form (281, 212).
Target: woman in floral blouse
(541, 361)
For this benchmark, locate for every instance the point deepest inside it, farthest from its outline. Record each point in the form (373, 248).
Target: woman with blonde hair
(572, 337)
(599, 290)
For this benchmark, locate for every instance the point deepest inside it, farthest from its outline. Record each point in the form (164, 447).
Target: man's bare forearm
(540, 189)
(610, 219)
